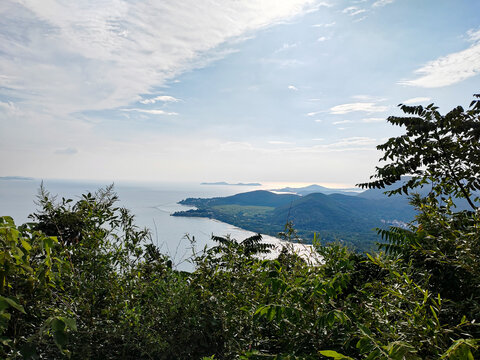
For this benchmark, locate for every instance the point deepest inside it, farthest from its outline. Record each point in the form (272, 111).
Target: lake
(151, 203)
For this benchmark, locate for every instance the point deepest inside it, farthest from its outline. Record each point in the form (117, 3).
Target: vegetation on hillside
(81, 281)
(333, 217)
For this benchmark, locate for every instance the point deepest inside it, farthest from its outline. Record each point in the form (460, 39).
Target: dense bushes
(79, 281)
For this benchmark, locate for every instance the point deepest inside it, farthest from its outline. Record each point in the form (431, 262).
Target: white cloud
(370, 120)
(325, 25)
(282, 63)
(360, 106)
(342, 122)
(357, 143)
(356, 140)
(322, 38)
(151, 111)
(318, 120)
(416, 100)
(292, 87)
(285, 47)
(162, 98)
(360, 19)
(67, 57)
(473, 35)
(8, 107)
(353, 10)
(450, 69)
(380, 3)
(362, 97)
(313, 113)
(276, 142)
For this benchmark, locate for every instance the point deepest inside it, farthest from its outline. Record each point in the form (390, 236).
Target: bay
(151, 203)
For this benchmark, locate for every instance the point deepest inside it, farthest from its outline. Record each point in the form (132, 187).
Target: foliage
(441, 150)
(108, 293)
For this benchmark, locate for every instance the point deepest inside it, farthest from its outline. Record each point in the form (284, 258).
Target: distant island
(230, 184)
(16, 178)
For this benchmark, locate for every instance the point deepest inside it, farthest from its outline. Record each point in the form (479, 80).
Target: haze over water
(151, 203)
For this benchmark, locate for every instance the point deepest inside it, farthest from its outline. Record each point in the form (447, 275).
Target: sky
(293, 91)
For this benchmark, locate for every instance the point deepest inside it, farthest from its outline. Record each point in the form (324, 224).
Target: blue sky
(274, 91)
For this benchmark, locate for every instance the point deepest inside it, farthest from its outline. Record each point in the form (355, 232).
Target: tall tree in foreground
(441, 150)
(443, 244)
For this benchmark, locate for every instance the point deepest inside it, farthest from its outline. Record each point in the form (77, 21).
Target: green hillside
(334, 217)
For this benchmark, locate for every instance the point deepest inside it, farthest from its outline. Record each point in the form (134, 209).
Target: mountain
(333, 217)
(230, 184)
(314, 188)
(23, 178)
(378, 194)
(251, 198)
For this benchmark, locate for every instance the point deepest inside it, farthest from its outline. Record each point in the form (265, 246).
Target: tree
(440, 249)
(441, 150)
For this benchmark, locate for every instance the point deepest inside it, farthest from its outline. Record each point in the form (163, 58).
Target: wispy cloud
(365, 97)
(450, 69)
(342, 122)
(416, 100)
(278, 142)
(118, 49)
(162, 98)
(373, 120)
(282, 63)
(313, 113)
(292, 87)
(473, 35)
(353, 10)
(8, 107)
(380, 3)
(285, 47)
(327, 25)
(151, 111)
(357, 143)
(359, 106)
(322, 38)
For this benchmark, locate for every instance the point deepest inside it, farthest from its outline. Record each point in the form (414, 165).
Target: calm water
(151, 203)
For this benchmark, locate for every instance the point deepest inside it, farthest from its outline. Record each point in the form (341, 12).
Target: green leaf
(60, 338)
(58, 324)
(334, 354)
(26, 245)
(28, 351)
(69, 322)
(6, 302)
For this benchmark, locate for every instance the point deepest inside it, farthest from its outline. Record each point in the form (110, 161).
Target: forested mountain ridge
(333, 217)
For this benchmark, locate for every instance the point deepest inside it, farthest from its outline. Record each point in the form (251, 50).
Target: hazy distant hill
(317, 189)
(16, 178)
(378, 194)
(333, 217)
(230, 184)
